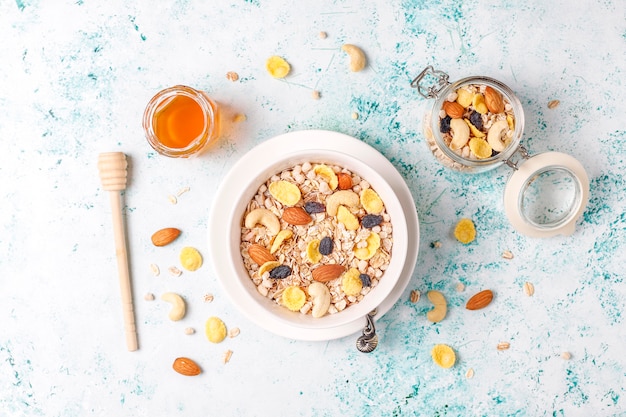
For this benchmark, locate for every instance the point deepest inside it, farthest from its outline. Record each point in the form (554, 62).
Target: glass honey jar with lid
(475, 125)
(181, 122)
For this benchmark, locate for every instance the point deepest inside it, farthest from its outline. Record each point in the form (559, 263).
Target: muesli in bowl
(317, 238)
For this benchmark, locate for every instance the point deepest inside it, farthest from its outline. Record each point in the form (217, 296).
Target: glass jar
(475, 125)
(181, 122)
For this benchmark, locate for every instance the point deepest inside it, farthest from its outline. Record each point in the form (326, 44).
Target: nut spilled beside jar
(475, 125)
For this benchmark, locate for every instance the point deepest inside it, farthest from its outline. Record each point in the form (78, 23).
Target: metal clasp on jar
(523, 153)
(432, 90)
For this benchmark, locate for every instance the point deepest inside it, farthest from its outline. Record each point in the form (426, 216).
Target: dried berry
(326, 246)
(366, 280)
(280, 272)
(444, 124)
(476, 119)
(313, 207)
(371, 220)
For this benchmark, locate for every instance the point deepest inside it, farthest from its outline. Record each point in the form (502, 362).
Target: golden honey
(181, 122)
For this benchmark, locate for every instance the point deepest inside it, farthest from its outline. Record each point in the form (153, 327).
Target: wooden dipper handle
(112, 168)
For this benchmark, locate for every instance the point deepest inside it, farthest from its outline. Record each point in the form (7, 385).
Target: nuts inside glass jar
(316, 238)
(477, 121)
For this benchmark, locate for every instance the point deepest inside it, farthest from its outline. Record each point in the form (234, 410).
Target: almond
(165, 236)
(493, 100)
(296, 216)
(328, 272)
(453, 109)
(480, 300)
(344, 181)
(186, 366)
(260, 254)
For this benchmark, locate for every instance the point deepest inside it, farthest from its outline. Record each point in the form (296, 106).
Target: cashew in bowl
(441, 307)
(321, 298)
(178, 305)
(346, 198)
(357, 57)
(265, 218)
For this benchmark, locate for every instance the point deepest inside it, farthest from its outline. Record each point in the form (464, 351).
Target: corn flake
(313, 251)
(443, 355)
(294, 298)
(465, 232)
(480, 148)
(280, 238)
(373, 243)
(351, 284)
(464, 97)
(347, 218)
(215, 329)
(190, 258)
(277, 66)
(267, 267)
(328, 174)
(285, 192)
(371, 202)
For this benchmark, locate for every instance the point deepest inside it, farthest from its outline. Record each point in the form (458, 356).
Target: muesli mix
(316, 238)
(476, 121)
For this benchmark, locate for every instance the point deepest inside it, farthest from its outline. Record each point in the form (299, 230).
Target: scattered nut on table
(232, 76)
(553, 104)
(440, 310)
(178, 309)
(503, 346)
(357, 57)
(529, 289)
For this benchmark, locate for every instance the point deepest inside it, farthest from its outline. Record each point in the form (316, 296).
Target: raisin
(476, 119)
(314, 207)
(280, 272)
(326, 246)
(371, 220)
(444, 124)
(366, 280)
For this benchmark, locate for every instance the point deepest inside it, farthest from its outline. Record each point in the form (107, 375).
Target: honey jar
(181, 122)
(475, 125)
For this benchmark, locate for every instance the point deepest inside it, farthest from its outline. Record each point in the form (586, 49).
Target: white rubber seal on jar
(546, 195)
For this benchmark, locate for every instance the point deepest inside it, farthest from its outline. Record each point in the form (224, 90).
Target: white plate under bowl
(225, 216)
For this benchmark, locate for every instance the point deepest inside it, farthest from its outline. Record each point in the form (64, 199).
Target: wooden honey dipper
(112, 168)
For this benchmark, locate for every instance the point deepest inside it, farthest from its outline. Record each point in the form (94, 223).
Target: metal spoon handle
(368, 341)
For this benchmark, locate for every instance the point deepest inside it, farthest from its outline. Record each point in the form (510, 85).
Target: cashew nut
(178, 305)
(321, 298)
(357, 57)
(344, 197)
(460, 133)
(495, 135)
(441, 307)
(264, 217)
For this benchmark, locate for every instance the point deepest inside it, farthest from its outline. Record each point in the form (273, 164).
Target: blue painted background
(75, 77)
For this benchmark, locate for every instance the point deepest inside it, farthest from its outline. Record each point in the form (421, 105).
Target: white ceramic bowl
(249, 174)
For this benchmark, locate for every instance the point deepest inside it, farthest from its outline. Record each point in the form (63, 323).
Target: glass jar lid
(546, 195)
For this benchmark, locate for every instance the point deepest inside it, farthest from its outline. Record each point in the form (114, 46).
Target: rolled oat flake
(545, 194)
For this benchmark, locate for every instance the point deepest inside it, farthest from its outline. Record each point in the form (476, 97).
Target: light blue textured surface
(74, 80)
